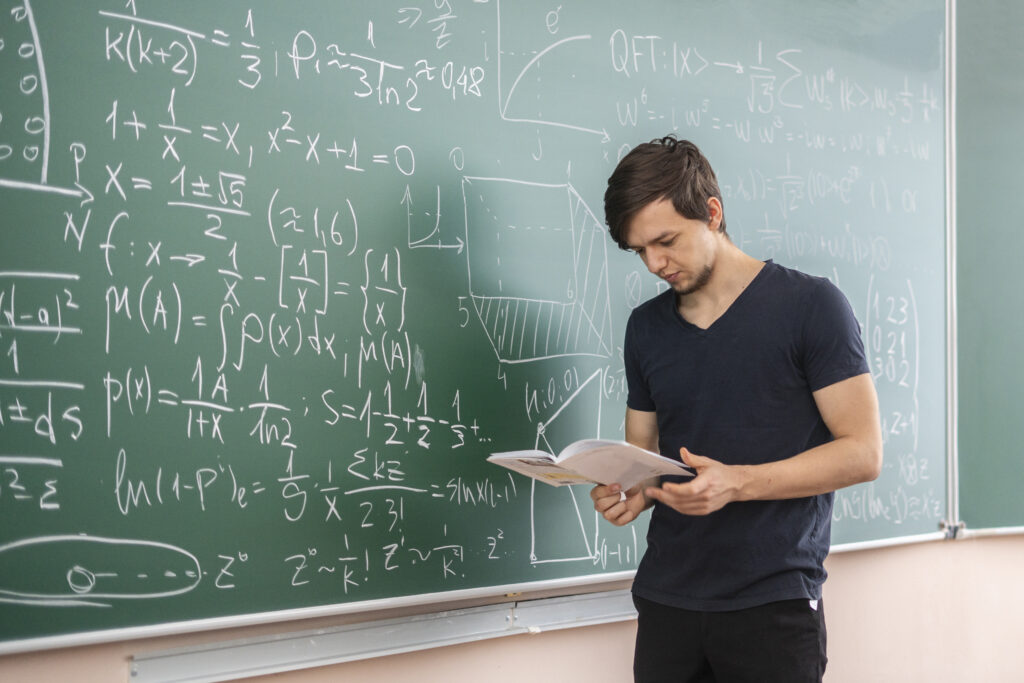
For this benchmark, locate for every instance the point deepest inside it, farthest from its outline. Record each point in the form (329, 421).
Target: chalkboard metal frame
(952, 367)
(301, 650)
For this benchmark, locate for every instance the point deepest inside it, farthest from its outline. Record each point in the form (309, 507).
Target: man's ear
(715, 212)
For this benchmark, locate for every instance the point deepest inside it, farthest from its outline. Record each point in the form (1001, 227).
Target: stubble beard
(696, 285)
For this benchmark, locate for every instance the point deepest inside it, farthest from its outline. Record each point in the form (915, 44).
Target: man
(755, 375)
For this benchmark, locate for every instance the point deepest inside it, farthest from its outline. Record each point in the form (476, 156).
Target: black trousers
(781, 641)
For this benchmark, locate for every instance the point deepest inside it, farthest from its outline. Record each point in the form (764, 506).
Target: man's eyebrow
(658, 238)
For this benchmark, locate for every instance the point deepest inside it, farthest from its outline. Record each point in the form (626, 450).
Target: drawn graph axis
(506, 99)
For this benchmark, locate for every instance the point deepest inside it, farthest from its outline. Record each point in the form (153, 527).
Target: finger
(603, 491)
(679, 489)
(693, 460)
(657, 493)
(676, 496)
(604, 504)
(615, 490)
(610, 509)
(624, 519)
(621, 514)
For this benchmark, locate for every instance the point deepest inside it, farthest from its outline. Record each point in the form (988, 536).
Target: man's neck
(733, 272)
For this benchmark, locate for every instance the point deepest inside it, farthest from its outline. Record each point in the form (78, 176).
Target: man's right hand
(621, 509)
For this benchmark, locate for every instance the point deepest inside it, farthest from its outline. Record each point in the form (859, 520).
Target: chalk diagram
(537, 91)
(529, 312)
(534, 313)
(576, 415)
(538, 280)
(93, 571)
(25, 108)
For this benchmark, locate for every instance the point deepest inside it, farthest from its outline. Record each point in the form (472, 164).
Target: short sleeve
(638, 395)
(833, 349)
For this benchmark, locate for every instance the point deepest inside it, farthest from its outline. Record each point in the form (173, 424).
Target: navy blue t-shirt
(740, 392)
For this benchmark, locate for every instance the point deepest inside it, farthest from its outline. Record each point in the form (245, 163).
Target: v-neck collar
(736, 303)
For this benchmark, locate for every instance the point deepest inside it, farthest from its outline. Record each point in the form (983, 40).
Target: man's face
(681, 251)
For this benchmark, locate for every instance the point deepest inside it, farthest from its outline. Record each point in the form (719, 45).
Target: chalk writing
(276, 280)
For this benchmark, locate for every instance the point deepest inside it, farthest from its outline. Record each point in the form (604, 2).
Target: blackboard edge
(496, 594)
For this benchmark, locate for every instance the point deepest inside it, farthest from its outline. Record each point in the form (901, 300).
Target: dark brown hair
(664, 168)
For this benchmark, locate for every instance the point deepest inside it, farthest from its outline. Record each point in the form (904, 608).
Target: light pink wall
(937, 612)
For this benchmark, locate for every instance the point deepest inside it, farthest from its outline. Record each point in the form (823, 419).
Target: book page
(542, 469)
(626, 465)
(589, 445)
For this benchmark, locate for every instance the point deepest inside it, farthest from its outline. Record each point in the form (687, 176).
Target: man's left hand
(714, 486)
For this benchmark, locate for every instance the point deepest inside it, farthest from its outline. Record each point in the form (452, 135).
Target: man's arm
(619, 509)
(850, 411)
(642, 429)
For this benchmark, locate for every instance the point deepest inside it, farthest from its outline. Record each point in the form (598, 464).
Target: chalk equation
(276, 280)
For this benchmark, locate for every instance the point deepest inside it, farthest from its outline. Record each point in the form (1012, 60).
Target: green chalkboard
(990, 98)
(277, 277)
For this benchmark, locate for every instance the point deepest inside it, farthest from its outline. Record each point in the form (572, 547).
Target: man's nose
(655, 260)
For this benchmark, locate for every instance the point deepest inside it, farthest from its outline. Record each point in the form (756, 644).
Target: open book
(591, 461)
